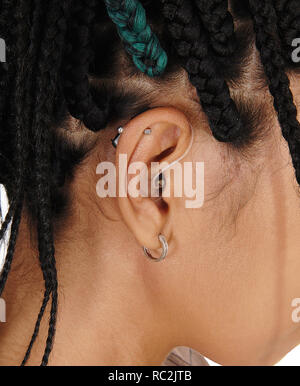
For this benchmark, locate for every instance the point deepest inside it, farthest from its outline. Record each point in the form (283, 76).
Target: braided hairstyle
(264, 17)
(219, 23)
(192, 45)
(55, 70)
(77, 62)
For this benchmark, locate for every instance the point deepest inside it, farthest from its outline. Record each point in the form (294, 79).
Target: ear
(161, 135)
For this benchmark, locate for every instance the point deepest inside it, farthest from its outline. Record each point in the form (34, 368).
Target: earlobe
(161, 136)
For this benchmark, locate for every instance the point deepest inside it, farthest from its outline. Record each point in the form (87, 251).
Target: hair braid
(22, 12)
(76, 68)
(192, 46)
(264, 19)
(50, 58)
(218, 21)
(9, 31)
(36, 30)
(140, 42)
(37, 325)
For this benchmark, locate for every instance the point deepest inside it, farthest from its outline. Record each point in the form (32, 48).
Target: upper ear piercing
(115, 141)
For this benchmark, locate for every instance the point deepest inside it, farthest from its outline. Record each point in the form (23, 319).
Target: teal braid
(140, 42)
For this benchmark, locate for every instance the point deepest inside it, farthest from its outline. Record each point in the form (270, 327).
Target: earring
(160, 183)
(115, 141)
(164, 246)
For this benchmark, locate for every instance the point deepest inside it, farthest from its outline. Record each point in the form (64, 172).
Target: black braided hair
(218, 21)
(8, 87)
(192, 45)
(54, 54)
(37, 102)
(265, 20)
(37, 326)
(21, 11)
(77, 62)
(47, 79)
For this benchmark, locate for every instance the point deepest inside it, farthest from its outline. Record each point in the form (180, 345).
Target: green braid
(140, 42)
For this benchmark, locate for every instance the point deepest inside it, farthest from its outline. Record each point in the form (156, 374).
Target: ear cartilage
(115, 141)
(161, 174)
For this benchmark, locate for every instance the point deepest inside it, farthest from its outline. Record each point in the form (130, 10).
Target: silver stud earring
(165, 249)
(115, 141)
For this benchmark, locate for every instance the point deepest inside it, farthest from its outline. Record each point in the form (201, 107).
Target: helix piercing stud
(115, 141)
(147, 131)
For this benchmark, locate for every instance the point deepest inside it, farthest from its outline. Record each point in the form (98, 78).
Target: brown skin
(226, 286)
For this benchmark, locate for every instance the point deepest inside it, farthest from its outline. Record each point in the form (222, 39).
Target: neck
(106, 314)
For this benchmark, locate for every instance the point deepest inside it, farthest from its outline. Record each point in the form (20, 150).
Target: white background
(292, 359)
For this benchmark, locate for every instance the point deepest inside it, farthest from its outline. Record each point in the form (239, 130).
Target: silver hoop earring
(165, 248)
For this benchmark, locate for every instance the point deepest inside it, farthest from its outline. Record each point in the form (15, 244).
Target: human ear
(160, 135)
